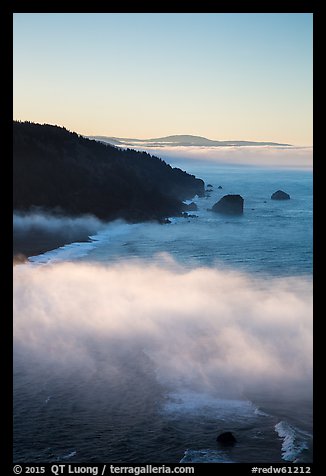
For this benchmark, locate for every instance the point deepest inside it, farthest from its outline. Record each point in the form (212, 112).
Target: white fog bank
(203, 328)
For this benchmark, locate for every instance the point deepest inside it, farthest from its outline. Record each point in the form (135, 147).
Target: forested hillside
(58, 170)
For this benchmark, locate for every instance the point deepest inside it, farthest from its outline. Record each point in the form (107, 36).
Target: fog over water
(203, 328)
(292, 157)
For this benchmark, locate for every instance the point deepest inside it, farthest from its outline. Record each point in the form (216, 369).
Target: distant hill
(181, 140)
(58, 170)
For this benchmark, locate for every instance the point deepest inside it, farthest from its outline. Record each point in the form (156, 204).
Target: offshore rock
(226, 439)
(192, 207)
(229, 205)
(280, 195)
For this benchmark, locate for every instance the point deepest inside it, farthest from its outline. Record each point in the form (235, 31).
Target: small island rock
(192, 207)
(226, 439)
(280, 195)
(229, 205)
(220, 187)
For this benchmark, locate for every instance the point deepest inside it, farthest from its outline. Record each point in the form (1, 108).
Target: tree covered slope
(58, 170)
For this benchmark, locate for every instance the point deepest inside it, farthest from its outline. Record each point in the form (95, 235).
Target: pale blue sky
(223, 76)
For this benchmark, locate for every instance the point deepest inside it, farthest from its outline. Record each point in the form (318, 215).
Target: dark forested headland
(61, 171)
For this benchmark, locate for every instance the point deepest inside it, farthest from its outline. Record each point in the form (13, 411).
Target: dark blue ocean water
(146, 342)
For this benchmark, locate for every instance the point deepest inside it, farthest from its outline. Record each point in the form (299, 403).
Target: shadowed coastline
(35, 243)
(61, 172)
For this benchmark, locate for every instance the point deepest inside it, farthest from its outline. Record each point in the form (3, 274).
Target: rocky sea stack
(280, 195)
(226, 439)
(192, 207)
(229, 205)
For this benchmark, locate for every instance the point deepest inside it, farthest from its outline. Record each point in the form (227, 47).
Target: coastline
(36, 243)
(41, 237)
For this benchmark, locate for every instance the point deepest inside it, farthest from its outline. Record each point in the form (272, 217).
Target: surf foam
(204, 456)
(295, 441)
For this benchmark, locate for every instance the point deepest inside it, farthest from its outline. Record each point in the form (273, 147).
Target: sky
(224, 76)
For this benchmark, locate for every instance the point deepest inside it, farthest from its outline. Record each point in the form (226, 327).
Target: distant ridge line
(185, 140)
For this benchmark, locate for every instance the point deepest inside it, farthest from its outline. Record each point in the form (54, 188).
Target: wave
(63, 253)
(295, 441)
(205, 456)
(67, 455)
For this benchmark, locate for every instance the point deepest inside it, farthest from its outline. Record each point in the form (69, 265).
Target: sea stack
(226, 439)
(280, 195)
(229, 205)
(192, 207)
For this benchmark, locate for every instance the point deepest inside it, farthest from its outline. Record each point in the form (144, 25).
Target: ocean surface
(145, 343)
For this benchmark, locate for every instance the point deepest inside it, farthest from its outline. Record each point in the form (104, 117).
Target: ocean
(145, 343)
